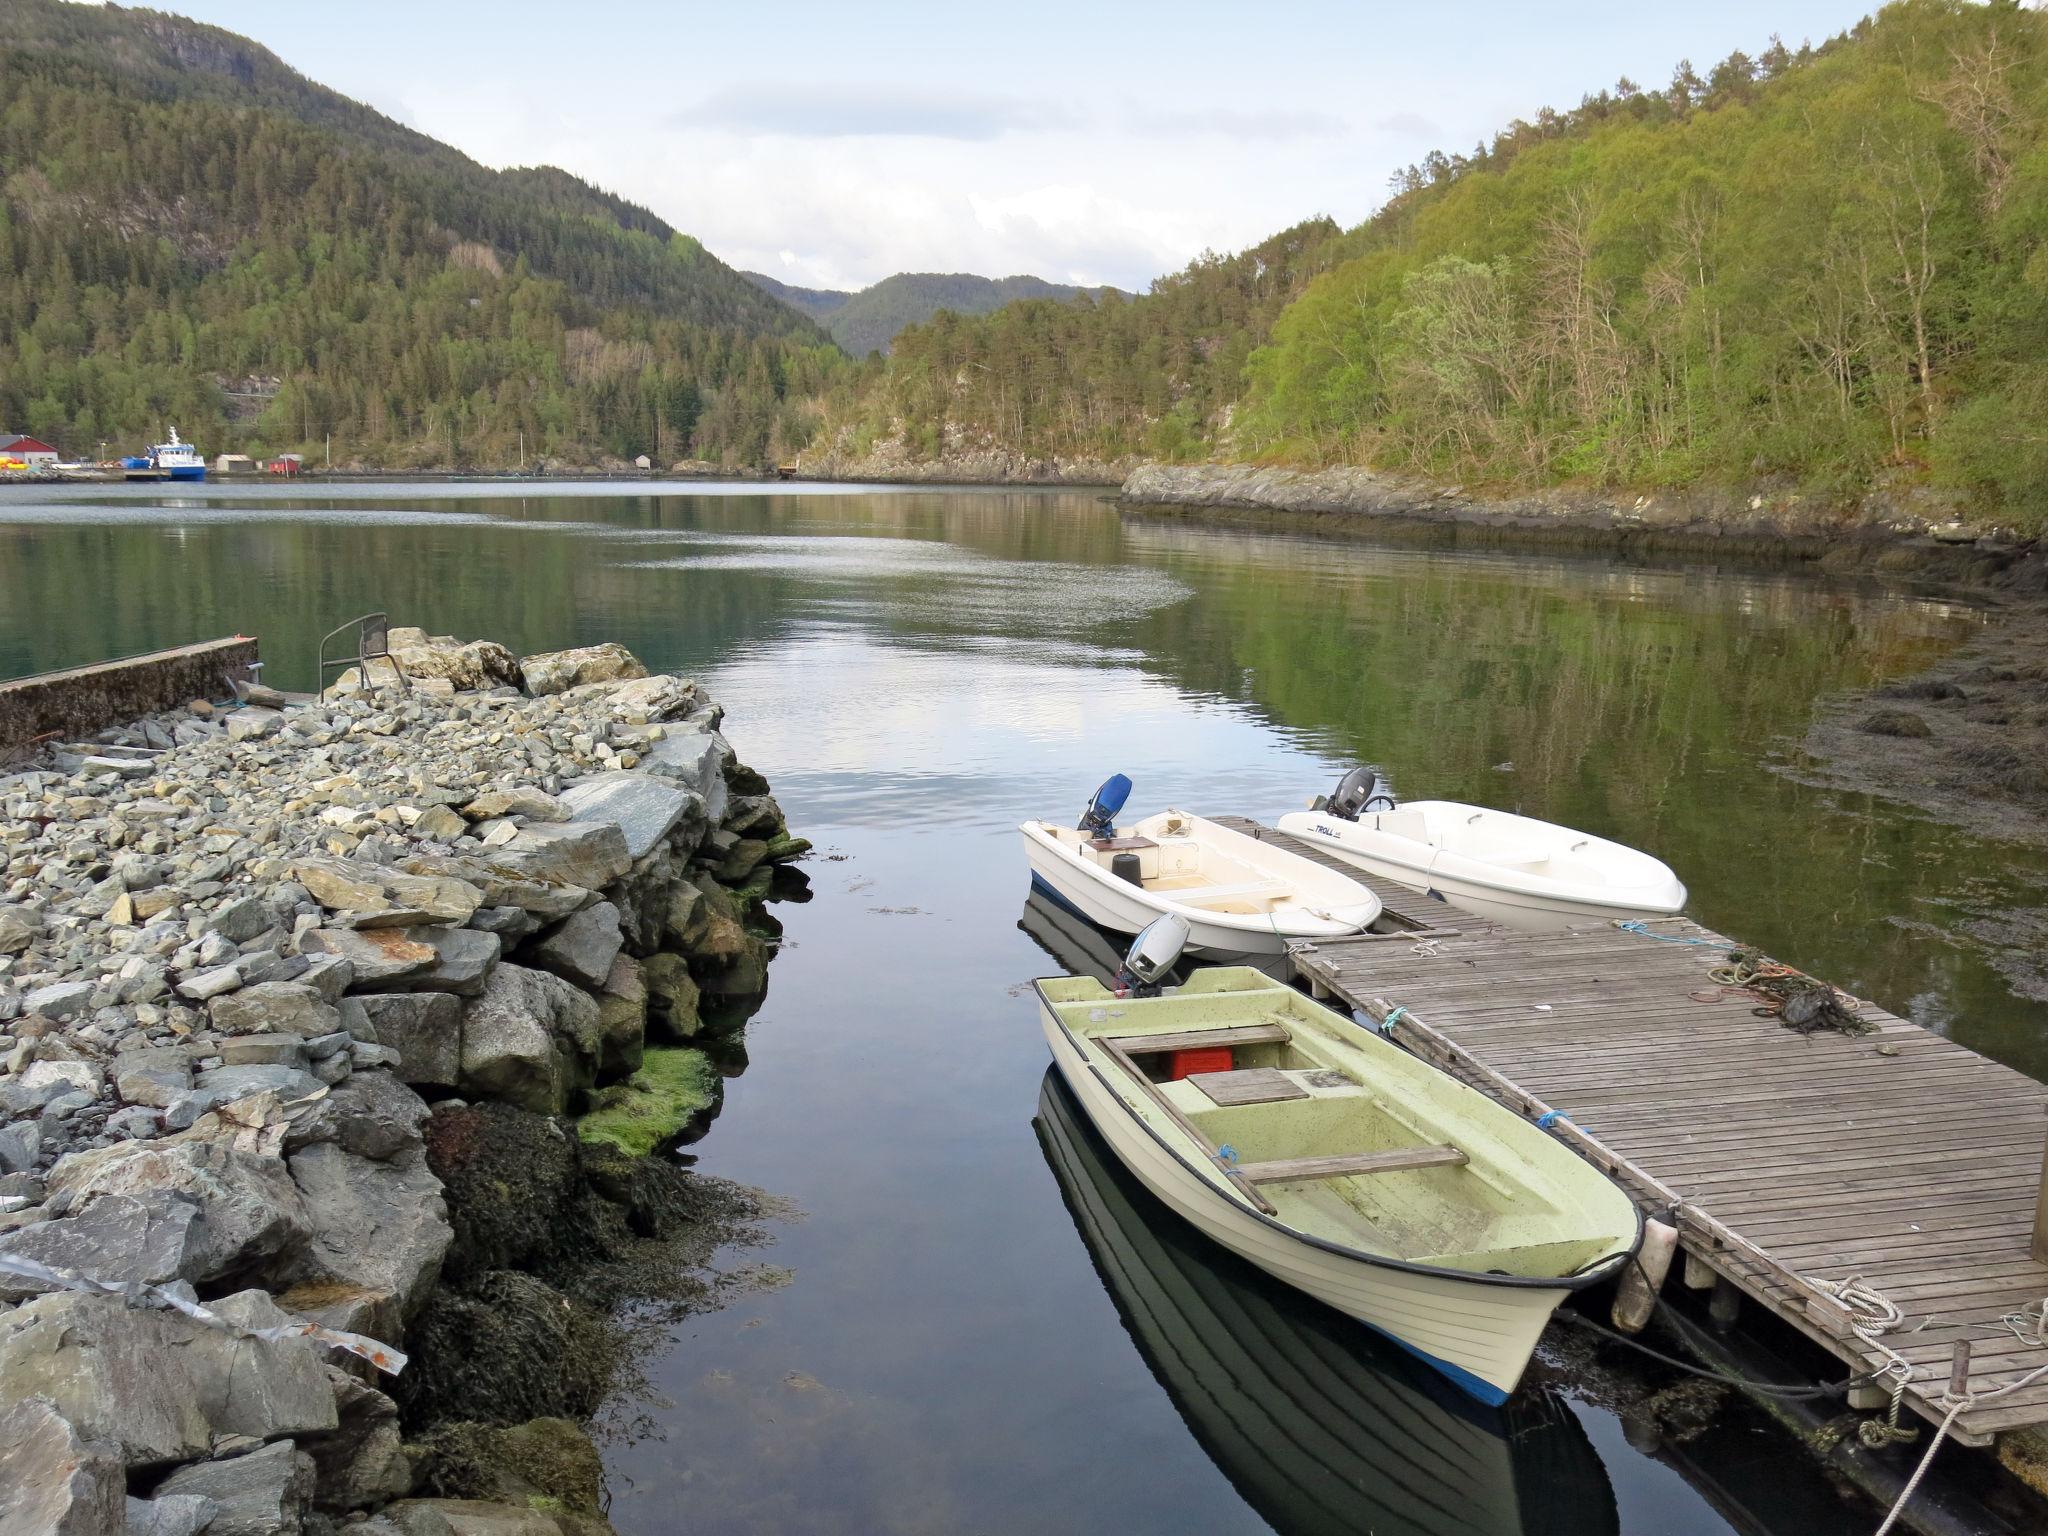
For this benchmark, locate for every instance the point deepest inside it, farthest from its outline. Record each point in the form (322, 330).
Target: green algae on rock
(673, 1084)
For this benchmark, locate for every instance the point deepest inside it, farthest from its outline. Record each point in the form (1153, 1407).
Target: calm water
(984, 1329)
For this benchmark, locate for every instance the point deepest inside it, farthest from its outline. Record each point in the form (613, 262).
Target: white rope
(1873, 1314)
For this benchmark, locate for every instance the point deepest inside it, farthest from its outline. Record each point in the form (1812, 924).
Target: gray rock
(364, 1462)
(504, 887)
(371, 1115)
(60, 1000)
(644, 807)
(154, 1077)
(379, 956)
(52, 1481)
(158, 1384)
(135, 1123)
(202, 985)
(124, 767)
(320, 1047)
(380, 1227)
(328, 975)
(425, 1028)
(477, 665)
(275, 1008)
(253, 1212)
(263, 1051)
(240, 920)
(253, 724)
(19, 1145)
(19, 928)
(173, 1514)
(265, 1493)
(355, 885)
(695, 759)
(519, 800)
(582, 946)
(121, 1239)
(657, 698)
(463, 957)
(622, 1018)
(224, 1085)
(530, 1039)
(60, 1076)
(558, 671)
(589, 854)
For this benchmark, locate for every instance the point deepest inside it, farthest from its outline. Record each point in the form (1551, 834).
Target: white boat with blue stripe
(1240, 897)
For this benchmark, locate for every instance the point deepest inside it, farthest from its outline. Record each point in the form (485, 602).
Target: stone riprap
(236, 946)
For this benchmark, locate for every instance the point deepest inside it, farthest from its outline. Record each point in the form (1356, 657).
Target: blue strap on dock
(1386, 1025)
(1636, 925)
(1549, 1118)
(1227, 1155)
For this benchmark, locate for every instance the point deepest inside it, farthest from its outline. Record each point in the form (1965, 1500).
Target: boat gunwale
(1580, 1280)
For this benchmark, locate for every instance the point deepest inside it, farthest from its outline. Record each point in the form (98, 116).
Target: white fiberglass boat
(1515, 870)
(1337, 1162)
(1238, 895)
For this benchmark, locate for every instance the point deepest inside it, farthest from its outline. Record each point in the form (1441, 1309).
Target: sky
(830, 145)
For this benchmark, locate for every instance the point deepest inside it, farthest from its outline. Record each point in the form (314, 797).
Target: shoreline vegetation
(339, 1026)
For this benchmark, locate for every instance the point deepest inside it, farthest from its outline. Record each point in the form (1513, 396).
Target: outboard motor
(1358, 791)
(1099, 820)
(1152, 956)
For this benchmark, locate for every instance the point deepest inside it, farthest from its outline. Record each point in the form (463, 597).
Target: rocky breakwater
(295, 1001)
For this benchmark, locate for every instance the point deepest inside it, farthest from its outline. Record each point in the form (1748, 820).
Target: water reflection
(1320, 1426)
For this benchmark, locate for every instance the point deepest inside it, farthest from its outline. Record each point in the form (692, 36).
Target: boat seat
(1248, 1085)
(1288, 1170)
(1206, 895)
(1195, 1039)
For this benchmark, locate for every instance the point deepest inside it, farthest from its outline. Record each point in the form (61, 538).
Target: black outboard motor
(1099, 820)
(1358, 791)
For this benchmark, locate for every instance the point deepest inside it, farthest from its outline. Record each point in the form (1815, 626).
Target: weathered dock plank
(1898, 1157)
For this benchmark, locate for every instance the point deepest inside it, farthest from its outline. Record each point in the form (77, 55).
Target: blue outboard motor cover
(1099, 820)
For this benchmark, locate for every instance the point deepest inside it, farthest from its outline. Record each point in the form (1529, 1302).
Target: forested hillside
(1094, 376)
(1828, 265)
(870, 319)
(191, 232)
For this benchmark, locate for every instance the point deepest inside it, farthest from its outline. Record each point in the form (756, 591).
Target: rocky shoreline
(1768, 513)
(332, 1029)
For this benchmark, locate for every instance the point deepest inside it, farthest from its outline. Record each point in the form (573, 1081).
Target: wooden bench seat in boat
(1195, 1039)
(1292, 1169)
(1248, 1085)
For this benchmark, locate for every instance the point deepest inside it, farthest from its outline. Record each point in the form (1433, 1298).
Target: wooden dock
(1899, 1157)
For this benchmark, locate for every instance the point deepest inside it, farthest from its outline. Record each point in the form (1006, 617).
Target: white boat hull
(1516, 898)
(1479, 1335)
(1330, 904)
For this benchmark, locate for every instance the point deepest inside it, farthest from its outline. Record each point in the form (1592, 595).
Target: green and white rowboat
(1343, 1166)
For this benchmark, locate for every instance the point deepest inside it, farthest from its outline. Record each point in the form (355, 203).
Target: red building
(32, 451)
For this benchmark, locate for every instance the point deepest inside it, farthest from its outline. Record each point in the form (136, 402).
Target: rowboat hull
(1479, 1335)
(1321, 1426)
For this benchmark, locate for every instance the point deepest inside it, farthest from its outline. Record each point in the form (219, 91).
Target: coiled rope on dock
(1800, 1002)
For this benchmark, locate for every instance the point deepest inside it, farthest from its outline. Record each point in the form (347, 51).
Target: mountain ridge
(870, 319)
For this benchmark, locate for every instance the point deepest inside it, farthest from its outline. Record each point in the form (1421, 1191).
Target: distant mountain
(871, 320)
(181, 214)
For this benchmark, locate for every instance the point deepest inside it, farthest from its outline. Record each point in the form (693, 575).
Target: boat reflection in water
(1320, 1424)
